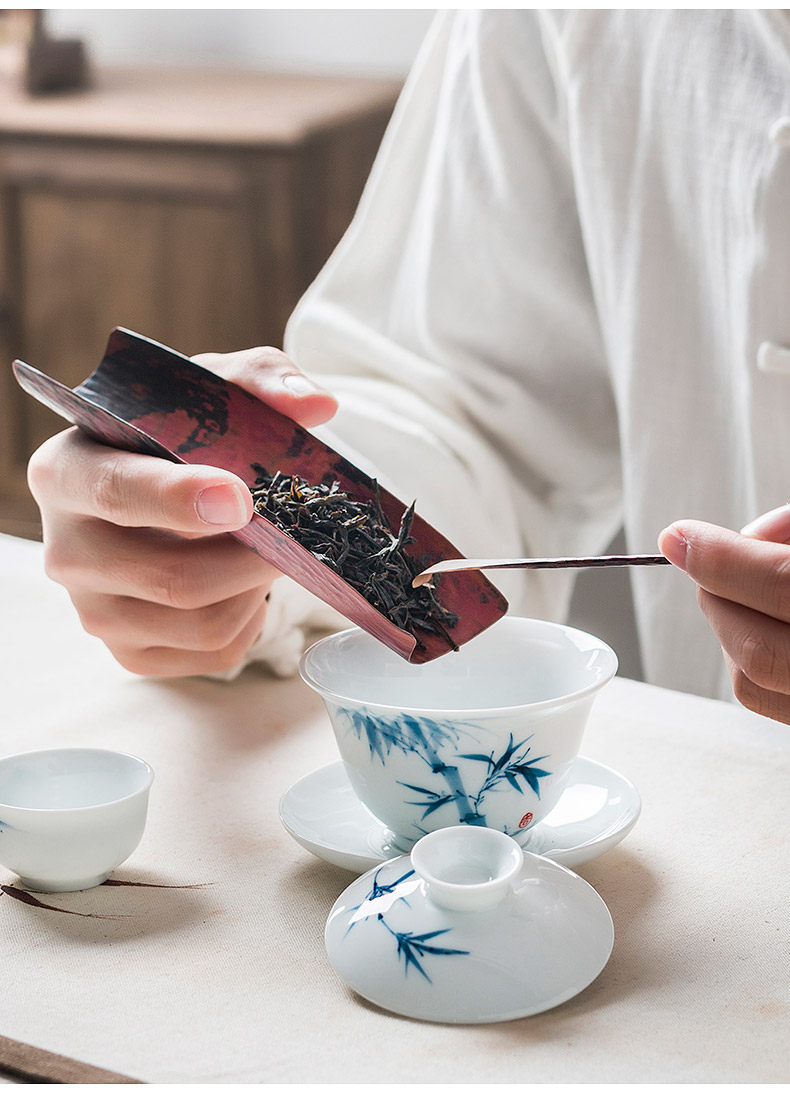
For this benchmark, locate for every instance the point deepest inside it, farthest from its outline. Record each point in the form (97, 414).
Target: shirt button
(773, 358)
(779, 132)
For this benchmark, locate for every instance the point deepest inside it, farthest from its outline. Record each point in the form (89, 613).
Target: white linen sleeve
(293, 618)
(455, 321)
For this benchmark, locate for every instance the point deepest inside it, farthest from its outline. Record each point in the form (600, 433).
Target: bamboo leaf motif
(374, 731)
(436, 744)
(531, 774)
(380, 889)
(413, 947)
(433, 800)
(511, 767)
(421, 737)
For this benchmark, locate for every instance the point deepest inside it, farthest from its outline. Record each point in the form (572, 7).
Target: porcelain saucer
(597, 809)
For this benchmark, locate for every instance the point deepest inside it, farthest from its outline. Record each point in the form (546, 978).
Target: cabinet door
(203, 248)
(178, 271)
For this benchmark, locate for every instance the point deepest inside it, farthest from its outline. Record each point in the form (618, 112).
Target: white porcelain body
(69, 816)
(598, 809)
(486, 736)
(437, 936)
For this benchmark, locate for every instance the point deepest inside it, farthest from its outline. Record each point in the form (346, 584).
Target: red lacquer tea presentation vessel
(147, 398)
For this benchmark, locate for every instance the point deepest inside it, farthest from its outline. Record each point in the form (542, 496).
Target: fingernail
(298, 385)
(774, 526)
(222, 505)
(673, 546)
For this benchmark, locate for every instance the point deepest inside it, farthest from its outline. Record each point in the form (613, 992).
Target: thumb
(134, 489)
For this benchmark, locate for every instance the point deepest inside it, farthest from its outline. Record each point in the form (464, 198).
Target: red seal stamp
(525, 821)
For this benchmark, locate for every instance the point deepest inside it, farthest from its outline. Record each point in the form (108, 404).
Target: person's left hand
(743, 582)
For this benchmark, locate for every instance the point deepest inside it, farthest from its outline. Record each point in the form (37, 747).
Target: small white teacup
(484, 736)
(68, 816)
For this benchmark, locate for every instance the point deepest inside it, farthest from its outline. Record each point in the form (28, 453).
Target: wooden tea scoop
(460, 565)
(147, 398)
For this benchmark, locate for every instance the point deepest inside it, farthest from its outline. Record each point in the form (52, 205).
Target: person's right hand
(142, 544)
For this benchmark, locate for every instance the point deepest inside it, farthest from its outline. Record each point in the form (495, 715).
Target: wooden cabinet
(192, 207)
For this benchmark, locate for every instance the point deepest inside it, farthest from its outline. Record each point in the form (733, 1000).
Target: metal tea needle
(460, 565)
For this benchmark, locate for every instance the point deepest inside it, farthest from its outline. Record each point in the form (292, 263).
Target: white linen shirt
(564, 302)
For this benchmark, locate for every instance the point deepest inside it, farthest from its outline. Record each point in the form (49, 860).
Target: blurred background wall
(342, 41)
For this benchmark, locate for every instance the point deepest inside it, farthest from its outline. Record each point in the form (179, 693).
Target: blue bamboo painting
(413, 948)
(437, 744)
(379, 889)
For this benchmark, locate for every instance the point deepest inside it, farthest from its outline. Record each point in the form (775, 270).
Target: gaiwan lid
(469, 928)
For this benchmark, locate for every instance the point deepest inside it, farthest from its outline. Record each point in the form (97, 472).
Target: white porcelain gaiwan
(69, 816)
(486, 736)
(469, 929)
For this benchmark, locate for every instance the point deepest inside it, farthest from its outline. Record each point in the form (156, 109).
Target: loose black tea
(134, 401)
(355, 539)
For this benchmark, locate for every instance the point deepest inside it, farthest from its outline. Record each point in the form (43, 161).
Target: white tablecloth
(221, 976)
